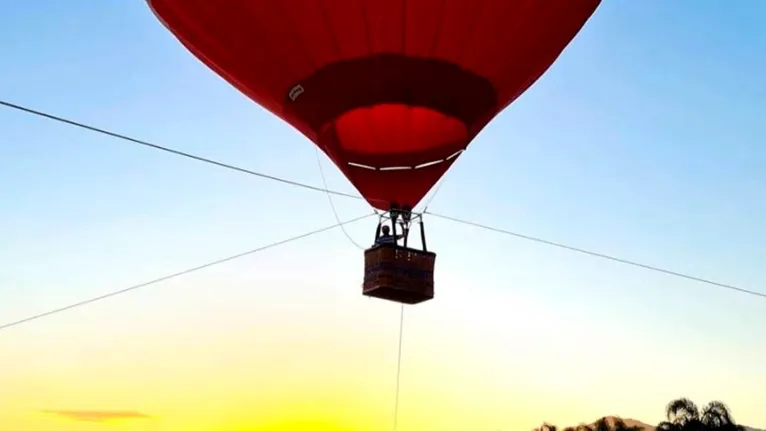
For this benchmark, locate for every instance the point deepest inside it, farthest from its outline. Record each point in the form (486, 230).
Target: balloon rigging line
(175, 275)
(433, 195)
(336, 193)
(332, 204)
(603, 256)
(398, 368)
(401, 315)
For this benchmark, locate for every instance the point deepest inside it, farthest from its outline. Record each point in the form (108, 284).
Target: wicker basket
(399, 274)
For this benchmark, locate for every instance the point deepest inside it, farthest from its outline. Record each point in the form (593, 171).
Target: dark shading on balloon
(391, 91)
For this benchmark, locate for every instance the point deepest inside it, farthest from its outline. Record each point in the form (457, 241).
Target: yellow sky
(297, 353)
(294, 366)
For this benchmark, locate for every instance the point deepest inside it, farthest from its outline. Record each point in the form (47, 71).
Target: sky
(644, 140)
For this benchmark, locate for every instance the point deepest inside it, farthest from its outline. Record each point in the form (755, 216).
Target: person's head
(385, 230)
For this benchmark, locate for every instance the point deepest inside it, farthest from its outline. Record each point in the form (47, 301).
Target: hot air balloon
(393, 91)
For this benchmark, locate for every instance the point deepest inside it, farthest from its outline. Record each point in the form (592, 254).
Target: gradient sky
(644, 140)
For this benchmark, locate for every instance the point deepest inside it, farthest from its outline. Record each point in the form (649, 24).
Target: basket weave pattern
(399, 274)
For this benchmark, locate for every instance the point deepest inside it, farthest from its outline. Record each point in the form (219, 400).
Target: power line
(310, 187)
(603, 256)
(170, 150)
(339, 224)
(177, 274)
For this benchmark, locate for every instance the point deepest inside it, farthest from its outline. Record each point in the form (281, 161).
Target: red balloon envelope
(391, 90)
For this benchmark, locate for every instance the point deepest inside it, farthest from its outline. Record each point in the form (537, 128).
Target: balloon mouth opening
(389, 129)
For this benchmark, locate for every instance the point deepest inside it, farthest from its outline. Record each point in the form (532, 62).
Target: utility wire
(603, 256)
(328, 192)
(177, 274)
(170, 150)
(310, 187)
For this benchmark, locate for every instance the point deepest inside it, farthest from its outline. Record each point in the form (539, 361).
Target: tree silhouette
(546, 427)
(683, 415)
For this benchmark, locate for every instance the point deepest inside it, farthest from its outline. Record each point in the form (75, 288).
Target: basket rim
(378, 247)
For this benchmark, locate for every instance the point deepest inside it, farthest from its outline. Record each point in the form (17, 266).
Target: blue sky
(644, 140)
